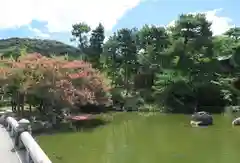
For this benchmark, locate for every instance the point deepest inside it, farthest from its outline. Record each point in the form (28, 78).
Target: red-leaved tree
(55, 81)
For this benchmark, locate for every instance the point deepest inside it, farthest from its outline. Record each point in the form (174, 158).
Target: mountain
(45, 47)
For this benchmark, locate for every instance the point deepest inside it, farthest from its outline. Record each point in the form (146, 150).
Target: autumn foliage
(54, 79)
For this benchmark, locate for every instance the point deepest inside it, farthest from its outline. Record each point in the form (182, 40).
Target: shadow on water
(80, 126)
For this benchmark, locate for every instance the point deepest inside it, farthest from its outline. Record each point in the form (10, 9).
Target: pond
(134, 138)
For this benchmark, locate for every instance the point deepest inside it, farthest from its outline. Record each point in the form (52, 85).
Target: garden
(129, 99)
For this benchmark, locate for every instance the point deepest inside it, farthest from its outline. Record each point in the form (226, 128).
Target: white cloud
(38, 33)
(61, 14)
(220, 24)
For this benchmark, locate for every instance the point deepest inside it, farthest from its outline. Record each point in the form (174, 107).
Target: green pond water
(133, 138)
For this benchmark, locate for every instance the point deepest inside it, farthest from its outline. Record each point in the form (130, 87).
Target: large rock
(40, 126)
(201, 119)
(236, 121)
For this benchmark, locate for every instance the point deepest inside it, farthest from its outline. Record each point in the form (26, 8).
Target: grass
(133, 138)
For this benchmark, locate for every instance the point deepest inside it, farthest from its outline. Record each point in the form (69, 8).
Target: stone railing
(34, 153)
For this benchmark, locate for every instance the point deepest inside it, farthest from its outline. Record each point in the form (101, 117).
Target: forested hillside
(46, 47)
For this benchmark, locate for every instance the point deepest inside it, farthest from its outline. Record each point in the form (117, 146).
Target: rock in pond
(236, 122)
(201, 119)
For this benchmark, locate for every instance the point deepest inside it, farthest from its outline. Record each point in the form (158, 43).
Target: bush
(206, 97)
(5, 103)
(210, 98)
(180, 98)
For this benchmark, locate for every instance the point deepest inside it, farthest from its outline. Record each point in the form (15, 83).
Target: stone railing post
(24, 125)
(8, 127)
(12, 125)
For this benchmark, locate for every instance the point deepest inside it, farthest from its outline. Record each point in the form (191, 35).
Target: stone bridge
(7, 155)
(27, 151)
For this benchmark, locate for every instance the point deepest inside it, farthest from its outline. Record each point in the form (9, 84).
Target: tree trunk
(13, 103)
(40, 108)
(21, 102)
(18, 103)
(30, 108)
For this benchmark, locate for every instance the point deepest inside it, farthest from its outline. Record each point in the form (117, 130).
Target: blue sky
(52, 19)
